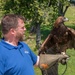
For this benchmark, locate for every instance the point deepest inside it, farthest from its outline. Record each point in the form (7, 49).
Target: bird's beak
(66, 19)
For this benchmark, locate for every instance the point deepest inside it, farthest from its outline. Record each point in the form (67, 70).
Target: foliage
(44, 11)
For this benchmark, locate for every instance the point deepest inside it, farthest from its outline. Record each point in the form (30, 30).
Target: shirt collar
(9, 46)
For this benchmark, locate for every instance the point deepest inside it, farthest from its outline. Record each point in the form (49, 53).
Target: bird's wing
(45, 43)
(71, 31)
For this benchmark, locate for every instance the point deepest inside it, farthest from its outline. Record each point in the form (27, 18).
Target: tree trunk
(38, 36)
(61, 9)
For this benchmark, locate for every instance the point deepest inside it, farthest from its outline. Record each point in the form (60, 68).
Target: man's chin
(22, 39)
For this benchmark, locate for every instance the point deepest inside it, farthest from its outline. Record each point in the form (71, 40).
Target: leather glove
(48, 60)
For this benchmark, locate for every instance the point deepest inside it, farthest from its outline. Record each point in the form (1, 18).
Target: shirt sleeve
(32, 54)
(34, 58)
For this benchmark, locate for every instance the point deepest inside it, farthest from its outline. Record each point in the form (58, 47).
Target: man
(16, 58)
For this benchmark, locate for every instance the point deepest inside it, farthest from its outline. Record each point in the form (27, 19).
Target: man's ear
(12, 31)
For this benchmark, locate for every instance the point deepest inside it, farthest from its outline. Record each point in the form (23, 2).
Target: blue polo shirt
(16, 60)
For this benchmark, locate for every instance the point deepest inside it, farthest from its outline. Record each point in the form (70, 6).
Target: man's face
(20, 30)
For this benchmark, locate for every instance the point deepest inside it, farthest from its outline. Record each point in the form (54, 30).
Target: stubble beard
(20, 37)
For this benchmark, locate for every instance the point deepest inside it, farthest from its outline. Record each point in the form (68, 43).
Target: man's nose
(24, 28)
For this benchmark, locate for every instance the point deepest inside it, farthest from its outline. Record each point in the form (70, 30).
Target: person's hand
(48, 60)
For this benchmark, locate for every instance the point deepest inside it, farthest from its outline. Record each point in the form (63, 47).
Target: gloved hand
(48, 60)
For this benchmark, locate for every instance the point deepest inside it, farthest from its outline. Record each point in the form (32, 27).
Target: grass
(70, 14)
(70, 64)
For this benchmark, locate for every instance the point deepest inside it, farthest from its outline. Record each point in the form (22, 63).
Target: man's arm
(37, 63)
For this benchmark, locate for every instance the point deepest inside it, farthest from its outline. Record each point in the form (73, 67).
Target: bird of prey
(60, 38)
